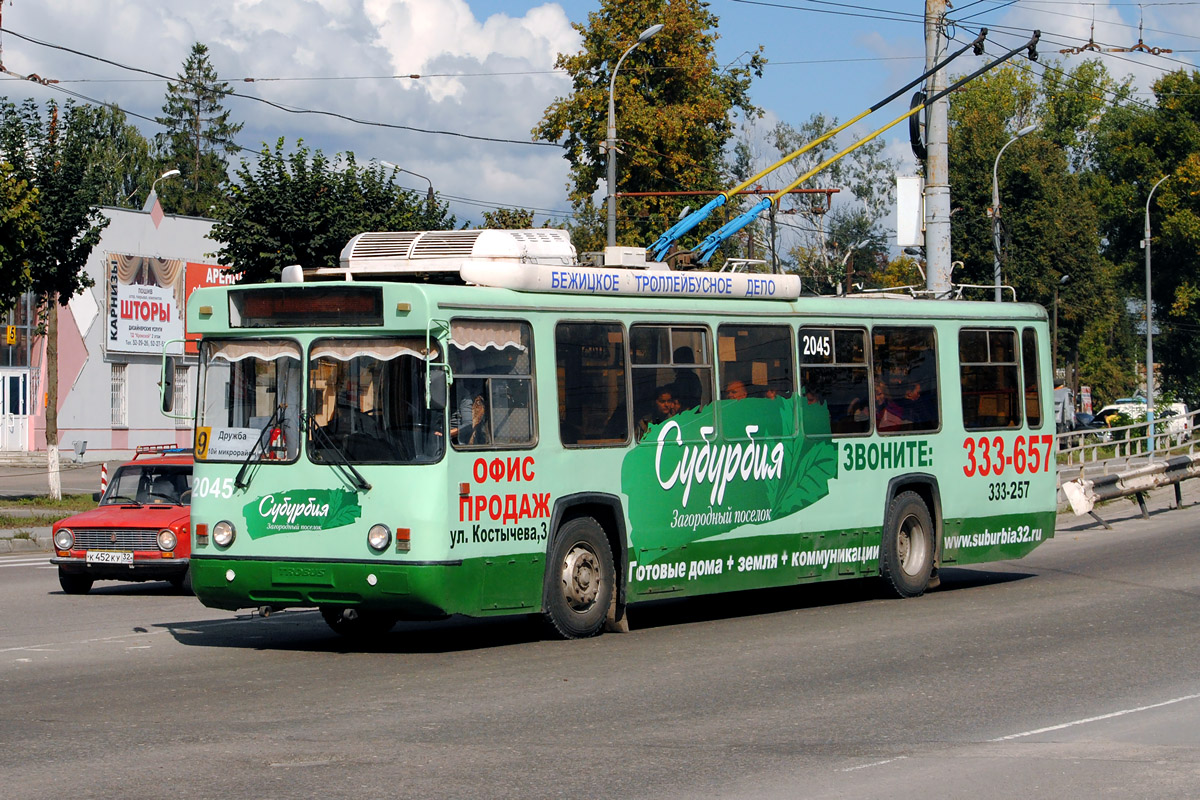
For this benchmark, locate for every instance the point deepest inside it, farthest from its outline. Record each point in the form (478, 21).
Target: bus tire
(580, 579)
(74, 583)
(906, 553)
(352, 623)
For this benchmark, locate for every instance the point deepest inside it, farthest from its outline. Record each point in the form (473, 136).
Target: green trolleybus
(474, 422)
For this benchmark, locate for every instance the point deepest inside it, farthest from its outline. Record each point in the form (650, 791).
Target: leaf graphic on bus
(808, 467)
(343, 509)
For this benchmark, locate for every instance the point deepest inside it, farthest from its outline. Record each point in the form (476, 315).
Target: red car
(141, 530)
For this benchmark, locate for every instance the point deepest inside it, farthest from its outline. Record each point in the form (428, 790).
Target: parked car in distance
(1178, 425)
(139, 532)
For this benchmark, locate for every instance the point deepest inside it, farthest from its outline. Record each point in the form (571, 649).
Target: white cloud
(352, 47)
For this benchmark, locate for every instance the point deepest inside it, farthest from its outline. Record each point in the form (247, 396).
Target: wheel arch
(606, 509)
(926, 487)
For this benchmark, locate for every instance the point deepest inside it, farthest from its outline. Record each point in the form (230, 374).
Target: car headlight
(64, 539)
(223, 533)
(379, 537)
(167, 539)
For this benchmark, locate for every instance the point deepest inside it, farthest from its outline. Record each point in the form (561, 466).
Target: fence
(1105, 463)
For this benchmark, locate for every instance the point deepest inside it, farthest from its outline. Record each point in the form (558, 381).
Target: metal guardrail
(1105, 463)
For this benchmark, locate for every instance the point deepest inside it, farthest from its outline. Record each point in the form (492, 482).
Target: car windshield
(150, 484)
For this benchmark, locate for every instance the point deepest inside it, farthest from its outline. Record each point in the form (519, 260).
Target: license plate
(110, 556)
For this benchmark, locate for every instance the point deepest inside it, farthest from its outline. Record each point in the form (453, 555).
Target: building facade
(110, 343)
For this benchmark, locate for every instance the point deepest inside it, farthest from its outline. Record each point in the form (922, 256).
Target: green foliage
(303, 208)
(56, 155)
(122, 158)
(1136, 146)
(198, 135)
(675, 107)
(19, 233)
(1052, 221)
(508, 219)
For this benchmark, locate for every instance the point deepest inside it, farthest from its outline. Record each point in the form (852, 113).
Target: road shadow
(128, 589)
(303, 630)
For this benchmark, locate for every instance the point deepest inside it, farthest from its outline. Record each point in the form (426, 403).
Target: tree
(1136, 146)
(56, 154)
(126, 166)
(824, 239)
(1041, 176)
(675, 112)
(198, 135)
(508, 219)
(19, 233)
(303, 208)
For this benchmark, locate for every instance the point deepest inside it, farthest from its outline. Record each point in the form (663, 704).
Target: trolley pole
(937, 167)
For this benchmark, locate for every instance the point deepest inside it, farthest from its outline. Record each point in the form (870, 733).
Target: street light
(1028, 129)
(610, 143)
(429, 195)
(1054, 329)
(150, 198)
(1150, 326)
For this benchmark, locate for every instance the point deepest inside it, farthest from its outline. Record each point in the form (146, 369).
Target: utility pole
(937, 165)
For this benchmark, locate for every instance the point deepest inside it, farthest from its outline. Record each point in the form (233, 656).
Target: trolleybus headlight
(223, 533)
(379, 537)
(167, 539)
(64, 539)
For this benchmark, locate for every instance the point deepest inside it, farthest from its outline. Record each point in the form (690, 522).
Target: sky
(486, 70)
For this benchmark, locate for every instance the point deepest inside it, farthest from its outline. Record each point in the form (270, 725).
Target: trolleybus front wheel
(906, 553)
(355, 624)
(580, 579)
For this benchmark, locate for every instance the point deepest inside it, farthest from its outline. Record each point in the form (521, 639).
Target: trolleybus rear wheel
(353, 623)
(580, 579)
(906, 554)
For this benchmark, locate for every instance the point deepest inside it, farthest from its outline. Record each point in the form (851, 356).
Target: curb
(25, 540)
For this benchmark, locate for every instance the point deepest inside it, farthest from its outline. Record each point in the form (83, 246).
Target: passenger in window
(663, 406)
(476, 431)
(889, 416)
(688, 389)
(918, 406)
(735, 390)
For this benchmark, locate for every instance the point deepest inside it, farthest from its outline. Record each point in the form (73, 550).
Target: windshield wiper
(113, 501)
(241, 481)
(341, 463)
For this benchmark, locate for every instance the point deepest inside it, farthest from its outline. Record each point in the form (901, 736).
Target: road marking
(875, 764)
(1072, 724)
(25, 561)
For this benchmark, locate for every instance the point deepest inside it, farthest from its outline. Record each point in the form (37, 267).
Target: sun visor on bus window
(262, 350)
(379, 349)
(484, 334)
(293, 306)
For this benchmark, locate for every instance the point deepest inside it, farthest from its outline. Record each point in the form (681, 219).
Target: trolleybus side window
(990, 386)
(367, 402)
(492, 397)
(1029, 363)
(834, 373)
(590, 373)
(249, 400)
(755, 361)
(671, 372)
(905, 379)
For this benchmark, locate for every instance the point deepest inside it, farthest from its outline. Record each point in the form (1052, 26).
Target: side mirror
(167, 387)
